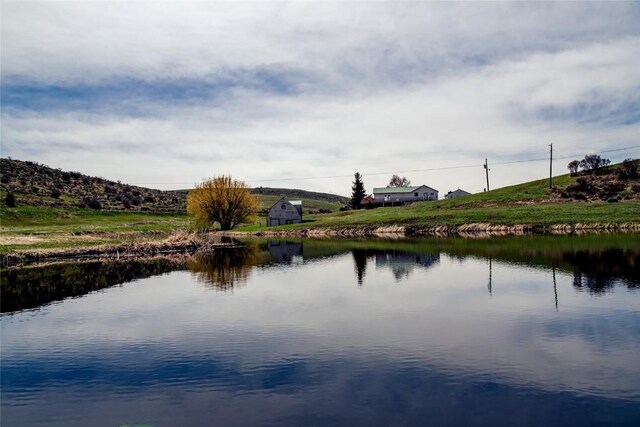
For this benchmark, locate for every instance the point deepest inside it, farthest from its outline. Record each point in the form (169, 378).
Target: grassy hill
(584, 198)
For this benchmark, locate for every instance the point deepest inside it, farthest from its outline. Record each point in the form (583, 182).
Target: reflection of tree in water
(224, 269)
(360, 263)
(599, 271)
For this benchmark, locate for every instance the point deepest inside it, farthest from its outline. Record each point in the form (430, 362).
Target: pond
(538, 330)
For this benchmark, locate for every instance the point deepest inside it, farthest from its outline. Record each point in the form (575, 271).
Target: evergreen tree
(357, 191)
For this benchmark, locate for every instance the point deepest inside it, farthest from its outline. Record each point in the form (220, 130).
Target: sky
(305, 94)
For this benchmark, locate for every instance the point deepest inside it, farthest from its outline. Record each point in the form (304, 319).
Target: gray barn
(285, 212)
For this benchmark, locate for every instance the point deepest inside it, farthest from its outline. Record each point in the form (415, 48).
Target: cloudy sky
(302, 95)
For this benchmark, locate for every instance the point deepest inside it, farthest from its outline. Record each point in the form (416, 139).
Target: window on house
(283, 206)
(415, 194)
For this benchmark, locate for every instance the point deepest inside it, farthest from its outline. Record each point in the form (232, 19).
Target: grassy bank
(46, 227)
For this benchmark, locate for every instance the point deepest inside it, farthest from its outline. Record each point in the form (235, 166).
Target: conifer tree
(357, 191)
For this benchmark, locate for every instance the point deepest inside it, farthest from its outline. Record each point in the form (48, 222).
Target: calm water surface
(507, 331)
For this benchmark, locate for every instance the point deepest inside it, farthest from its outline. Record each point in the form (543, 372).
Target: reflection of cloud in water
(224, 269)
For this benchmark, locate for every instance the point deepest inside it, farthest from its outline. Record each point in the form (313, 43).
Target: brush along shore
(177, 243)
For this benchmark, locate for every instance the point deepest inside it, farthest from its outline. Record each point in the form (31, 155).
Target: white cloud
(378, 87)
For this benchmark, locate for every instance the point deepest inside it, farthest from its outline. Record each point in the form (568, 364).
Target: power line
(401, 171)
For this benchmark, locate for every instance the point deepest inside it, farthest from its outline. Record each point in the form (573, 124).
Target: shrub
(149, 198)
(136, 201)
(614, 187)
(92, 202)
(126, 202)
(5, 179)
(10, 200)
(55, 193)
(629, 169)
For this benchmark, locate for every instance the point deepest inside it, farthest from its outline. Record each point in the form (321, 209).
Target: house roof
(398, 190)
(458, 191)
(296, 202)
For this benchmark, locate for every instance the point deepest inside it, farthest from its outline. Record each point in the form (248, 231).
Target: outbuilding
(457, 193)
(285, 212)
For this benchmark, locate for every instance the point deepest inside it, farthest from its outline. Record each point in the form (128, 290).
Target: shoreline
(465, 230)
(182, 243)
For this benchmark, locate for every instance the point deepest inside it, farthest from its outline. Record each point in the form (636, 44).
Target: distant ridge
(301, 194)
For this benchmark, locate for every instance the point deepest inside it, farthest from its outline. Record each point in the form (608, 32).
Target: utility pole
(486, 168)
(550, 165)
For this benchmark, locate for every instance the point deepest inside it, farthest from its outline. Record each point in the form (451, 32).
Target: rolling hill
(34, 184)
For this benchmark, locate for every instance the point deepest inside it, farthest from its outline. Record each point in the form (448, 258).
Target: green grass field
(43, 227)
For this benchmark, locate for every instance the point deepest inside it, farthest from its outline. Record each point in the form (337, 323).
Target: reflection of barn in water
(285, 251)
(402, 264)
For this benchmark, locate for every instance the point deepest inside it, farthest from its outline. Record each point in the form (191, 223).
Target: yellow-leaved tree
(222, 199)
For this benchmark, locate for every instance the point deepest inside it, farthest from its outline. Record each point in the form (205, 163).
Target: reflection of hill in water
(599, 271)
(29, 287)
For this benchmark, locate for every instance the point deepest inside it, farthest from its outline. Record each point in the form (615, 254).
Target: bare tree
(593, 162)
(573, 166)
(396, 181)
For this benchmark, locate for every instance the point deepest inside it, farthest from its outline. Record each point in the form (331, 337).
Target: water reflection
(481, 344)
(282, 251)
(224, 269)
(29, 287)
(360, 259)
(598, 271)
(402, 264)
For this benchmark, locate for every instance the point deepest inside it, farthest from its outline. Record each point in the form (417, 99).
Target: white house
(400, 195)
(457, 193)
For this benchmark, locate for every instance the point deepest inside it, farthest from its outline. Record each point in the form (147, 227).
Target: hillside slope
(34, 184)
(585, 198)
(39, 185)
